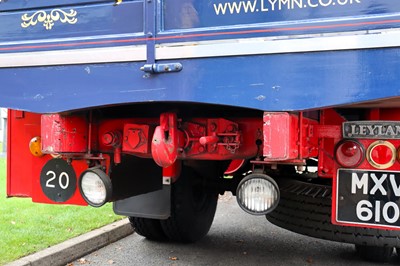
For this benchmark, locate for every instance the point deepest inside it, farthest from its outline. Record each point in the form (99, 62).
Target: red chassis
(84, 141)
(356, 155)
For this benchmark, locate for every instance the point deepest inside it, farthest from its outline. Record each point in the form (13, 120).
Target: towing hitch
(164, 145)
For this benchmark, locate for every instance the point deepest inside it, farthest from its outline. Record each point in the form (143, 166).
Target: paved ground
(236, 239)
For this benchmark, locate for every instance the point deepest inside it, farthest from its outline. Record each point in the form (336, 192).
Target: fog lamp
(257, 194)
(95, 187)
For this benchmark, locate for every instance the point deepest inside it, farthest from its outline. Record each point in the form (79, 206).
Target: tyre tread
(187, 225)
(305, 208)
(149, 228)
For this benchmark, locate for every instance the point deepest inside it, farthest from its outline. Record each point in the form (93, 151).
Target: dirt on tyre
(305, 208)
(192, 209)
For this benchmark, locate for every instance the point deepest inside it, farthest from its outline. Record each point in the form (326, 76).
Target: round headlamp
(257, 194)
(95, 187)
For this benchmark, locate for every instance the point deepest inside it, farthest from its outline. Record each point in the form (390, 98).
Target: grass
(27, 227)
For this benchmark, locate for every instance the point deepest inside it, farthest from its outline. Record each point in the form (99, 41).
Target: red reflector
(381, 154)
(349, 153)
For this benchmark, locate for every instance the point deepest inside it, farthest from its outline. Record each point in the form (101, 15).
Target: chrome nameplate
(371, 129)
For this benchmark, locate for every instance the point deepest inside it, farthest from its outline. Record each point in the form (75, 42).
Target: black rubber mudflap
(305, 208)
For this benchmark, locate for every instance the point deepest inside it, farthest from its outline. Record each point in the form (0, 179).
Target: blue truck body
(262, 54)
(150, 104)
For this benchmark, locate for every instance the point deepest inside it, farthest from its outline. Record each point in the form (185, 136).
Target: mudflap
(153, 205)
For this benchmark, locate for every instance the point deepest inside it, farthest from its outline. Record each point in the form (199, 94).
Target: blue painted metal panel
(102, 24)
(224, 19)
(71, 26)
(216, 13)
(279, 82)
(265, 82)
(7, 5)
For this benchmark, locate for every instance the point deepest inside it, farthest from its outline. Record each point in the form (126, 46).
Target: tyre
(192, 209)
(149, 228)
(305, 208)
(376, 254)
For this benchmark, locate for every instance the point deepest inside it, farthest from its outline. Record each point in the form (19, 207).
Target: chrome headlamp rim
(258, 176)
(106, 182)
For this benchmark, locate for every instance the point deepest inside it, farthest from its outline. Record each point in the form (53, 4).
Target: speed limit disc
(58, 180)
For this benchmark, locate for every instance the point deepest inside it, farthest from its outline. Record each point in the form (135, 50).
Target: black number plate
(368, 198)
(58, 180)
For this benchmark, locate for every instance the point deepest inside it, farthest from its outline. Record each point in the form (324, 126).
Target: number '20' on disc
(58, 180)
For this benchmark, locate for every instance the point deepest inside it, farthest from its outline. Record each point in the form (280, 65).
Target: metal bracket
(150, 29)
(167, 180)
(151, 67)
(162, 68)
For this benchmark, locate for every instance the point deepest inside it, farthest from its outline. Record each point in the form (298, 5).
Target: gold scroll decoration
(48, 19)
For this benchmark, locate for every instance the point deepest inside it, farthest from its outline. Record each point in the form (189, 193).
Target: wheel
(375, 254)
(192, 209)
(305, 208)
(149, 228)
